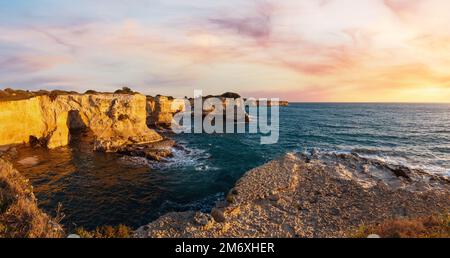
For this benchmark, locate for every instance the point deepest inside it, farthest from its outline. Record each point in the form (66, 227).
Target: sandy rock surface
(311, 196)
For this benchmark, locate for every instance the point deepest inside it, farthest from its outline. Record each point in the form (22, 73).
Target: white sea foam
(185, 157)
(387, 159)
(134, 161)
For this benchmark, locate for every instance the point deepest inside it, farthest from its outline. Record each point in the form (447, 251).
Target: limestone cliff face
(239, 111)
(113, 119)
(161, 110)
(21, 119)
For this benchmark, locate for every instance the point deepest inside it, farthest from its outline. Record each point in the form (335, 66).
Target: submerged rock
(154, 151)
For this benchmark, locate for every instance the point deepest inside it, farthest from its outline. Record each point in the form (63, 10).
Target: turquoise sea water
(107, 189)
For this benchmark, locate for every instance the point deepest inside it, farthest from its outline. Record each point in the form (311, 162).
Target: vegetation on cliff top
(125, 90)
(120, 231)
(20, 216)
(436, 226)
(9, 94)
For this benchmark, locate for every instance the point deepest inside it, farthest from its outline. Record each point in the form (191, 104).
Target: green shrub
(124, 90)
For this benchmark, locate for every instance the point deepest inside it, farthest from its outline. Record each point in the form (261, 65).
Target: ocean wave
(185, 157)
(182, 157)
(134, 161)
(374, 154)
(392, 160)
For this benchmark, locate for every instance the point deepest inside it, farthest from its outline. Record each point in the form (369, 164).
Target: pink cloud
(401, 7)
(256, 25)
(324, 2)
(30, 63)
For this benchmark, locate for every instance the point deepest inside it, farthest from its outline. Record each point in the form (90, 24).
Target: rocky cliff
(161, 109)
(113, 119)
(19, 214)
(269, 103)
(323, 195)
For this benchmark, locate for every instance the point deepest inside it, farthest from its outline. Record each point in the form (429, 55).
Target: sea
(98, 189)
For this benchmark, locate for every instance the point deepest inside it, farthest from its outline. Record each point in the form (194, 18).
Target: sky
(296, 50)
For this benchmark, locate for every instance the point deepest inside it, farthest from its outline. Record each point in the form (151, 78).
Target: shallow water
(107, 189)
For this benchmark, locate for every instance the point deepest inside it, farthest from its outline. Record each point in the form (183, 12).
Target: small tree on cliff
(124, 90)
(230, 95)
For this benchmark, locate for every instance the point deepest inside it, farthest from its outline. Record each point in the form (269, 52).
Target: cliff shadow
(78, 130)
(75, 123)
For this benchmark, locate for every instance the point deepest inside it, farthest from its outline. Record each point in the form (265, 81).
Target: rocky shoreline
(323, 195)
(319, 195)
(125, 122)
(298, 195)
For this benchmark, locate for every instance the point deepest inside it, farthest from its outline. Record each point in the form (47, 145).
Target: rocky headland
(116, 122)
(125, 122)
(322, 195)
(298, 195)
(113, 119)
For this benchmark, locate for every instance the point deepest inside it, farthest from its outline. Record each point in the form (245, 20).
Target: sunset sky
(298, 50)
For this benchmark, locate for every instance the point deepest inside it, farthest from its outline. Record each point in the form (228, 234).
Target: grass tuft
(19, 214)
(435, 226)
(120, 231)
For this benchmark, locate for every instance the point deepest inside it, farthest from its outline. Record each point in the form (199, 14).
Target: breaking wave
(378, 155)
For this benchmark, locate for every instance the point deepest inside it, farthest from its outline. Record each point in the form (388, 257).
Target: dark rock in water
(153, 151)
